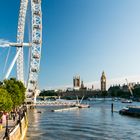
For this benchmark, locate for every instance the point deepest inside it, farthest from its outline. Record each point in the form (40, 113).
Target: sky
(80, 37)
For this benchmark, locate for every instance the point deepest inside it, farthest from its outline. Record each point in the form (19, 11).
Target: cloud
(4, 43)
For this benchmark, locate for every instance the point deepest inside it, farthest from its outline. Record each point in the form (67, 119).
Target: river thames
(94, 123)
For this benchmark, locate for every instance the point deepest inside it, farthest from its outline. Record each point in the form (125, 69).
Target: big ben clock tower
(103, 82)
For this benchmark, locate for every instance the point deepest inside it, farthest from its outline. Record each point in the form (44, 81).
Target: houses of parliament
(78, 86)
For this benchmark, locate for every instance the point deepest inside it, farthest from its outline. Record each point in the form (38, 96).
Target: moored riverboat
(131, 111)
(83, 106)
(126, 101)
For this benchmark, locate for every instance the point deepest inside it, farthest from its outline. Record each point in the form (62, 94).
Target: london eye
(34, 46)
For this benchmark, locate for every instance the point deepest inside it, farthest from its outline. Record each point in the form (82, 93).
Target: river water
(94, 123)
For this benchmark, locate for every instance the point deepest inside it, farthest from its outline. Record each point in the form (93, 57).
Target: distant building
(92, 87)
(82, 84)
(76, 82)
(103, 82)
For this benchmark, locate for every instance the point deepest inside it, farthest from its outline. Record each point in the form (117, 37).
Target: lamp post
(7, 130)
(20, 121)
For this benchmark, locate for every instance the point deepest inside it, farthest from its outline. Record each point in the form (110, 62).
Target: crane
(129, 87)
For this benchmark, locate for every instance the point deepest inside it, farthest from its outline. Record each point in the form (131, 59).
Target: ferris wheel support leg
(12, 64)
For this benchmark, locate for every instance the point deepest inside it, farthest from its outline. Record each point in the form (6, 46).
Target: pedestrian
(14, 117)
(1, 124)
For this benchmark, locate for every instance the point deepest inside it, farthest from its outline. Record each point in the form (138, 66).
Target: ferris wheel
(34, 45)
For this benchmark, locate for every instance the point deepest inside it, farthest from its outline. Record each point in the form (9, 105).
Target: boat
(115, 99)
(83, 106)
(131, 111)
(91, 99)
(79, 105)
(126, 101)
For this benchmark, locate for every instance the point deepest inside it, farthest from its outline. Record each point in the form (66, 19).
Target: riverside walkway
(12, 122)
(11, 126)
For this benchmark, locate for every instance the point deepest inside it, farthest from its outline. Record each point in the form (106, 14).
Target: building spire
(103, 82)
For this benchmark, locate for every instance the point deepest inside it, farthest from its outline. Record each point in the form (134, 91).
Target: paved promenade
(11, 125)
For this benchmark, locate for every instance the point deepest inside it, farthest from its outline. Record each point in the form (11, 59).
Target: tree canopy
(16, 90)
(6, 103)
(12, 94)
(48, 93)
(123, 92)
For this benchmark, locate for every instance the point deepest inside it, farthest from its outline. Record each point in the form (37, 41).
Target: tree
(22, 90)
(1, 83)
(104, 93)
(48, 93)
(114, 91)
(136, 92)
(6, 103)
(16, 90)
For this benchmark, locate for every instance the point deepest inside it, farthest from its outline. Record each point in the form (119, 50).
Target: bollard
(112, 107)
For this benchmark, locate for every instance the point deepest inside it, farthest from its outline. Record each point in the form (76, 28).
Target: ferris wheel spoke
(6, 60)
(12, 64)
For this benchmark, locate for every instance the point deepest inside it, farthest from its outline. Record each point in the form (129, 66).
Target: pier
(55, 103)
(65, 109)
